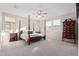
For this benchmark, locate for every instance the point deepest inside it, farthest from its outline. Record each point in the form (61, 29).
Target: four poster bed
(31, 36)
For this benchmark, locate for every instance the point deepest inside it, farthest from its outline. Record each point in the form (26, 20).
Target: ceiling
(24, 9)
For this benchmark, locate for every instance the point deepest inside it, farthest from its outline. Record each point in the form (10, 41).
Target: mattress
(24, 35)
(35, 34)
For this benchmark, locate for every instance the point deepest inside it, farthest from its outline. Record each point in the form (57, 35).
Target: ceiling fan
(40, 13)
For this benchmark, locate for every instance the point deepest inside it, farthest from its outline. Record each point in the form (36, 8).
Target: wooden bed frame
(36, 38)
(15, 36)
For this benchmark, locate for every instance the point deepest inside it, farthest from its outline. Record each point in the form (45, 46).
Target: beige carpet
(49, 47)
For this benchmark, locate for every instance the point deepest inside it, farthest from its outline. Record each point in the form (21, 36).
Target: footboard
(34, 39)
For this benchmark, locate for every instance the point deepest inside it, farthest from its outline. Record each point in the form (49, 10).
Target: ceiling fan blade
(41, 10)
(43, 16)
(45, 13)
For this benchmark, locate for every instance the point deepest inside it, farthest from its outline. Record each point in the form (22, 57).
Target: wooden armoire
(69, 30)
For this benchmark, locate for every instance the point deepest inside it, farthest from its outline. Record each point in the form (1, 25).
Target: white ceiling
(24, 9)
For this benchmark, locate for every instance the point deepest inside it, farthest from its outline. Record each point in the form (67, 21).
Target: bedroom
(15, 17)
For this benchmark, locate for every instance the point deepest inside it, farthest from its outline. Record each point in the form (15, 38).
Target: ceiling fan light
(39, 12)
(39, 16)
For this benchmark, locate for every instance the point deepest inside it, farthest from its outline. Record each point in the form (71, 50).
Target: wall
(0, 28)
(56, 31)
(0, 31)
(4, 39)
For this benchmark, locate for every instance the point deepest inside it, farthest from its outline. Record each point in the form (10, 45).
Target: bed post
(33, 26)
(39, 28)
(19, 29)
(28, 30)
(44, 29)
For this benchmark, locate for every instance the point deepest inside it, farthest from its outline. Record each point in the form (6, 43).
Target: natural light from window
(49, 25)
(56, 22)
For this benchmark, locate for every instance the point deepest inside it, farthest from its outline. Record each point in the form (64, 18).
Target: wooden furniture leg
(28, 42)
(44, 37)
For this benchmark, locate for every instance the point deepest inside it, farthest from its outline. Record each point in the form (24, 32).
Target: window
(9, 25)
(48, 25)
(56, 22)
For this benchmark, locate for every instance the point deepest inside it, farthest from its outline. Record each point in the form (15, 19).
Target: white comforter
(24, 35)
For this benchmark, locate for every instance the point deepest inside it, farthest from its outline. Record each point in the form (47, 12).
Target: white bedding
(24, 35)
(36, 34)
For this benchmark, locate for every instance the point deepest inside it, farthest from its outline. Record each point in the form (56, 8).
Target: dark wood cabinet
(13, 37)
(69, 29)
